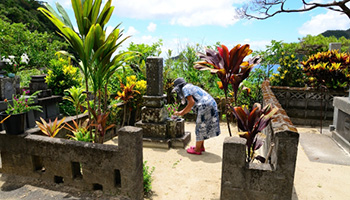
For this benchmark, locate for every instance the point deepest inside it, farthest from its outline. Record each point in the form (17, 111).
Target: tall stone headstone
(154, 116)
(335, 46)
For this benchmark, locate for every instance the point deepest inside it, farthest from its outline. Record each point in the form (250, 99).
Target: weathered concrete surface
(198, 177)
(242, 180)
(86, 166)
(322, 147)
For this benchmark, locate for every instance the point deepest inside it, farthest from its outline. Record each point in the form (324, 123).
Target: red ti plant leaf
(229, 66)
(252, 123)
(100, 122)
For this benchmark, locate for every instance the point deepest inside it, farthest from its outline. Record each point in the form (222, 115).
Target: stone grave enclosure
(265, 181)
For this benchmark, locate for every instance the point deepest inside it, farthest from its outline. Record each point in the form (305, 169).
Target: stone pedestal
(335, 46)
(341, 122)
(158, 130)
(38, 83)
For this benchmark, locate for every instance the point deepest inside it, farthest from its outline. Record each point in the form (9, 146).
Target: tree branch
(262, 9)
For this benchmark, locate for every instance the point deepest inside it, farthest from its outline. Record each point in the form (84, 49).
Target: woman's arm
(187, 109)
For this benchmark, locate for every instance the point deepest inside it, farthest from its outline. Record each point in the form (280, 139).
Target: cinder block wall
(88, 166)
(303, 105)
(242, 180)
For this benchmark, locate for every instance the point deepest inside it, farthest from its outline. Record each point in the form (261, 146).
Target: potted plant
(16, 112)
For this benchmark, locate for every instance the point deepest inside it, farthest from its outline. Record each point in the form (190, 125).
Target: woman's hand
(177, 113)
(187, 109)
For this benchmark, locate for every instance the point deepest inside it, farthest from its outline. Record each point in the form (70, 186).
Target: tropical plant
(252, 123)
(95, 51)
(62, 75)
(290, 72)
(23, 103)
(78, 98)
(126, 95)
(52, 128)
(328, 69)
(229, 67)
(80, 131)
(100, 123)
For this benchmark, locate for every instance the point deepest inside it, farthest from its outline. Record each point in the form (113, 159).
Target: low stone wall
(113, 169)
(305, 106)
(242, 180)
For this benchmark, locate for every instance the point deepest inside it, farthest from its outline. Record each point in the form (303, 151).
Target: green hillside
(337, 33)
(25, 11)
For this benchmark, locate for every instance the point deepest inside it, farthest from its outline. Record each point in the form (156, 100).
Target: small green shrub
(147, 178)
(67, 108)
(289, 73)
(26, 76)
(62, 75)
(115, 114)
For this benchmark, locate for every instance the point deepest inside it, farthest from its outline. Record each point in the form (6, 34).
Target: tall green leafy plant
(78, 98)
(95, 50)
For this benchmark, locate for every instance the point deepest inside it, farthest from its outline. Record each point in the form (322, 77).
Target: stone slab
(156, 143)
(322, 148)
(181, 142)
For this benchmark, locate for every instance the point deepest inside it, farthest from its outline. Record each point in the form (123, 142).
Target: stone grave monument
(45, 98)
(158, 129)
(341, 117)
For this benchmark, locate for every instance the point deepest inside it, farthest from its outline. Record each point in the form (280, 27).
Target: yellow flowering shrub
(329, 69)
(289, 72)
(62, 75)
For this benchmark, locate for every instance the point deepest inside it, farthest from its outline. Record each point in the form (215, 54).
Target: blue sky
(182, 22)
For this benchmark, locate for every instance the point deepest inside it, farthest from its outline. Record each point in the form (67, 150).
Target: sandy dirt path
(179, 175)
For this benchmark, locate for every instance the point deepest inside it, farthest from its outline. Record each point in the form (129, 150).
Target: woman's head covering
(178, 85)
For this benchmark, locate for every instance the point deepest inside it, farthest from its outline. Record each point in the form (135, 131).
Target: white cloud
(180, 12)
(323, 22)
(131, 31)
(152, 27)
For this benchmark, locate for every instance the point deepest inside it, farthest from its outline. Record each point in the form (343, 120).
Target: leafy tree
(270, 56)
(310, 45)
(17, 40)
(141, 53)
(263, 9)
